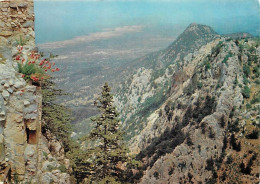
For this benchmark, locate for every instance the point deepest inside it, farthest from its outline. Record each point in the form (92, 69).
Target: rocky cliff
(25, 152)
(196, 119)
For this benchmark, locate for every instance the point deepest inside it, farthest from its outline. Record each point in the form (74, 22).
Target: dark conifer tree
(110, 150)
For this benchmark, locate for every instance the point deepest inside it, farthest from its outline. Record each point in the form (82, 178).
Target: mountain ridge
(184, 120)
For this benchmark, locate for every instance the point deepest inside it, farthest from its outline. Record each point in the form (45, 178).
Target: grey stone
(30, 109)
(26, 102)
(56, 172)
(32, 98)
(28, 24)
(22, 5)
(19, 84)
(30, 116)
(10, 90)
(31, 88)
(46, 178)
(2, 113)
(5, 94)
(3, 82)
(13, 4)
(30, 151)
(6, 85)
(47, 164)
(2, 118)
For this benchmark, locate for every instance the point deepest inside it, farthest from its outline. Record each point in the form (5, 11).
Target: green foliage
(233, 126)
(236, 81)
(229, 159)
(51, 168)
(152, 103)
(56, 117)
(45, 155)
(218, 86)
(139, 99)
(62, 168)
(21, 41)
(207, 66)
(255, 100)
(29, 69)
(246, 92)
(80, 161)
(256, 71)
(110, 149)
(245, 80)
(16, 179)
(253, 135)
(246, 70)
(227, 57)
(236, 145)
(109, 179)
(248, 106)
(199, 85)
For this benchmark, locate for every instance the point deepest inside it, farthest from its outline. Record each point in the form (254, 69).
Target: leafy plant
(246, 92)
(31, 68)
(21, 41)
(246, 70)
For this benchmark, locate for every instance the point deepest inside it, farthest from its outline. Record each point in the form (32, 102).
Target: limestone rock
(6, 33)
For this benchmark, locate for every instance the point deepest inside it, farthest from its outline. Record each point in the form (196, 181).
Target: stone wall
(20, 103)
(22, 145)
(16, 21)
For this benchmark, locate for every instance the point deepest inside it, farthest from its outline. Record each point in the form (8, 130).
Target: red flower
(23, 60)
(57, 69)
(23, 76)
(34, 78)
(17, 58)
(29, 62)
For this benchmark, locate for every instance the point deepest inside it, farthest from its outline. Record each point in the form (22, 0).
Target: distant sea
(58, 21)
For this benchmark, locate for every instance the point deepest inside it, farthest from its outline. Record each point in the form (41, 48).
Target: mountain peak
(200, 27)
(193, 37)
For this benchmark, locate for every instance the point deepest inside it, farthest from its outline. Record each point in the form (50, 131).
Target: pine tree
(109, 151)
(57, 117)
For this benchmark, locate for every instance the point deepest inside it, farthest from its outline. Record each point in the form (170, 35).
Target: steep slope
(206, 131)
(150, 85)
(203, 128)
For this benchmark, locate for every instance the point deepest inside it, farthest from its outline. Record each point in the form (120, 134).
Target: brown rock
(6, 33)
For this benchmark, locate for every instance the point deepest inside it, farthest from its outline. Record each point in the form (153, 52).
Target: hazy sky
(58, 20)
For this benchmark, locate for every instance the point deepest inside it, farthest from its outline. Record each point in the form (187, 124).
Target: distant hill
(238, 35)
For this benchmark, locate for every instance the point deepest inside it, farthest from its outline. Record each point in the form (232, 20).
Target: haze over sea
(65, 20)
(97, 41)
